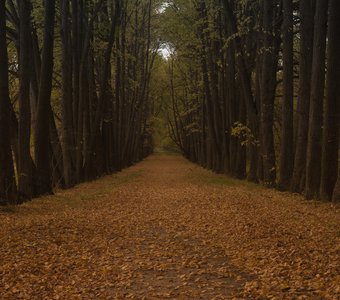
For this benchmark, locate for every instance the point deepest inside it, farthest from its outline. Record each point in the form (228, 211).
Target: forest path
(167, 229)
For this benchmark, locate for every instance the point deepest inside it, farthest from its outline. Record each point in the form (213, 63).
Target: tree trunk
(245, 82)
(8, 193)
(287, 134)
(306, 56)
(42, 132)
(67, 109)
(336, 192)
(25, 171)
(330, 144)
(268, 95)
(209, 89)
(313, 166)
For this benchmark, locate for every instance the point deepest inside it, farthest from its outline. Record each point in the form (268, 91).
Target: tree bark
(268, 84)
(42, 132)
(66, 90)
(330, 143)
(25, 172)
(8, 192)
(336, 192)
(313, 166)
(287, 134)
(305, 63)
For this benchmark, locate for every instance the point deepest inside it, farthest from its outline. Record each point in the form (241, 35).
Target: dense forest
(245, 88)
(255, 90)
(74, 85)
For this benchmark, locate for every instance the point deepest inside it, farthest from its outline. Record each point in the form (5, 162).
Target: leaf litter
(167, 229)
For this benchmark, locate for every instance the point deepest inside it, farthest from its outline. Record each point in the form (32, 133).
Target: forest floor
(167, 229)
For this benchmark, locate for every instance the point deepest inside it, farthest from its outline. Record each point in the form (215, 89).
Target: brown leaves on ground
(166, 229)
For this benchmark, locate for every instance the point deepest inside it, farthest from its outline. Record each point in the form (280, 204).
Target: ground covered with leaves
(167, 229)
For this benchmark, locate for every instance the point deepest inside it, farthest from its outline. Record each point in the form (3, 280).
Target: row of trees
(255, 89)
(73, 92)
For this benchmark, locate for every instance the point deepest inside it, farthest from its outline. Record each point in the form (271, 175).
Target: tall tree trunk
(25, 172)
(287, 134)
(8, 191)
(210, 87)
(76, 55)
(330, 144)
(245, 78)
(42, 132)
(268, 95)
(313, 166)
(104, 83)
(67, 109)
(83, 85)
(306, 56)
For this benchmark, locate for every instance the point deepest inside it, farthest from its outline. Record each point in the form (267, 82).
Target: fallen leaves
(135, 236)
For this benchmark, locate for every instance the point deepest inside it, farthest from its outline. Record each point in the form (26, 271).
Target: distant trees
(74, 92)
(255, 90)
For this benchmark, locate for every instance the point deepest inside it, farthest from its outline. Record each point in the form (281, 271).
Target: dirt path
(167, 229)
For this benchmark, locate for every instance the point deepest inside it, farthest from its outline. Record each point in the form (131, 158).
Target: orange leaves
(139, 237)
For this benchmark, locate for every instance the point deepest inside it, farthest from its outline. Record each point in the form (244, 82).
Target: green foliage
(161, 101)
(244, 134)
